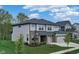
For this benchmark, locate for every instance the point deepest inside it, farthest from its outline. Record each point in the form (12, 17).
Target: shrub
(34, 42)
(20, 45)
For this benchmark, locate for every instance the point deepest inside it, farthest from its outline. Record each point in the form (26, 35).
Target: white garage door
(60, 39)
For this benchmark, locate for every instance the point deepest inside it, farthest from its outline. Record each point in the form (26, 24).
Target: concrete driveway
(74, 45)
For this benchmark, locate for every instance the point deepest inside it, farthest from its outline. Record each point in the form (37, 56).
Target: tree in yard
(68, 38)
(20, 45)
(22, 17)
(5, 24)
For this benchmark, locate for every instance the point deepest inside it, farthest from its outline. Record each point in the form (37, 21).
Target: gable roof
(36, 21)
(76, 24)
(63, 23)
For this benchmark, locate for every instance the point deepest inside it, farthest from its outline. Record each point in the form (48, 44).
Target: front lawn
(8, 47)
(73, 52)
(44, 49)
(75, 41)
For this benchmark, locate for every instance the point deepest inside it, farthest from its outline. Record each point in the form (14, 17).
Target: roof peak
(76, 23)
(64, 21)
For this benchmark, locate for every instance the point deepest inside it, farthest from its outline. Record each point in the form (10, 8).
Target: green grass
(75, 41)
(44, 49)
(72, 52)
(8, 47)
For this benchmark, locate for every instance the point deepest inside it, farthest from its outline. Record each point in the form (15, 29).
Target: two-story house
(66, 26)
(76, 26)
(41, 29)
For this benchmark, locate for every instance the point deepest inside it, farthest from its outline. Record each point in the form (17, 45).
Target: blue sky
(52, 13)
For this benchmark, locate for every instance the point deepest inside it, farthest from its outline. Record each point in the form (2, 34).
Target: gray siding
(24, 30)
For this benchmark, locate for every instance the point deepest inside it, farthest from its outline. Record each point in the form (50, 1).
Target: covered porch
(43, 36)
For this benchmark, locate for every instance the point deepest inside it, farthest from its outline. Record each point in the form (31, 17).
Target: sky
(52, 13)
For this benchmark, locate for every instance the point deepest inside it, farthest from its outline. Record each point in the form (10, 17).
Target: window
(62, 28)
(49, 28)
(41, 28)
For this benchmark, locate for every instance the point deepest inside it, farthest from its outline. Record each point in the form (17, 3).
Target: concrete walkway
(74, 45)
(64, 51)
(71, 44)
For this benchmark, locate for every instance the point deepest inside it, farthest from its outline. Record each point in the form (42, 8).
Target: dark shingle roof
(63, 23)
(36, 21)
(76, 23)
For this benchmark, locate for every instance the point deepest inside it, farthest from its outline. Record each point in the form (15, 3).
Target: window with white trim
(49, 28)
(41, 28)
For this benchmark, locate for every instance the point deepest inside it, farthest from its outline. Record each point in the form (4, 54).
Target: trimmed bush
(20, 45)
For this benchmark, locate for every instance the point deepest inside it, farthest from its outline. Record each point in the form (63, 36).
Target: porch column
(39, 39)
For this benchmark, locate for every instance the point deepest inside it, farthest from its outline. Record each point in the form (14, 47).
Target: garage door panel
(60, 39)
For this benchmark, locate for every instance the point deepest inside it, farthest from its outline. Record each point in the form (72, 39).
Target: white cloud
(51, 8)
(57, 6)
(39, 8)
(65, 13)
(33, 9)
(60, 12)
(35, 15)
(27, 7)
(43, 9)
(72, 13)
(60, 15)
(67, 19)
(51, 14)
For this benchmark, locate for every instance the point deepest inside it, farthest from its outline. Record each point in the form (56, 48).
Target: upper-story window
(49, 28)
(40, 28)
(62, 28)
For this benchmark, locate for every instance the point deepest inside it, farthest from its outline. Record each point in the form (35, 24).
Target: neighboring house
(76, 26)
(43, 30)
(66, 26)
